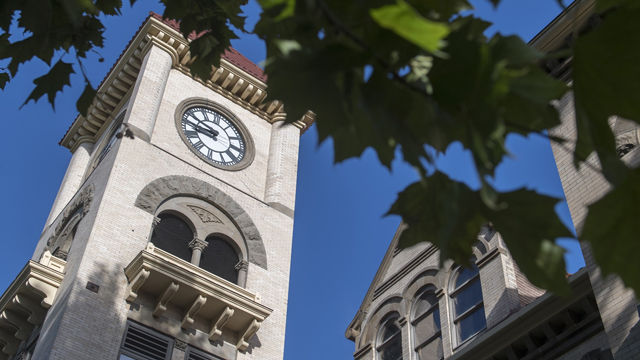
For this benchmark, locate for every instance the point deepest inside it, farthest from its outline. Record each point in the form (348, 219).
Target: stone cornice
(228, 80)
(25, 303)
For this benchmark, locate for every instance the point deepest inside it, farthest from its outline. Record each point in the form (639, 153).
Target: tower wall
(84, 324)
(582, 187)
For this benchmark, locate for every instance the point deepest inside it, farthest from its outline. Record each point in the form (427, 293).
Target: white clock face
(213, 135)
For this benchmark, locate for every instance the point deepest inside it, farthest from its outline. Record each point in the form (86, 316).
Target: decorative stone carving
(160, 189)
(156, 221)
(180, 345)
(197, 244)
(204, 215)
(242, 265)
(71, 215)
(25, 303)
(216, 328)
(190, 316)
(251, 330)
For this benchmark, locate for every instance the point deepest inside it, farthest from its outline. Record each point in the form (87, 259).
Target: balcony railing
(172, 280)
(27, 300)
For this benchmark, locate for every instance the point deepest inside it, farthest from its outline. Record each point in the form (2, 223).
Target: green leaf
(602, 90)
(612, 229)
(443, 212)
(86, 99)
(287, 7)
(4, 79)
(529, 225)
(405, 21)
(51, 83)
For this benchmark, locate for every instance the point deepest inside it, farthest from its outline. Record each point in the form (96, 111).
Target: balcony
(172, 280)
(27, 300)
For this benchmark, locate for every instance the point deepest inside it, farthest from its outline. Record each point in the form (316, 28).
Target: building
(170, 237)
(415, 310)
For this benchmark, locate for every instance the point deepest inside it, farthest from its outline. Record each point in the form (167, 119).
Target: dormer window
(467, 303)
(389, 344)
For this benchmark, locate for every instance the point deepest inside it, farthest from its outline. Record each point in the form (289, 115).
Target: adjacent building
(170, 236)
(416, 310)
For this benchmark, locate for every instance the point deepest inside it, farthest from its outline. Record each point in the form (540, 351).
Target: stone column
(197, 246)
(72, 180)
(280, 190)
(242, 268)
(147, 94)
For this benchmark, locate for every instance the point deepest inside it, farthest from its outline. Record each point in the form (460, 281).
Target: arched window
(220, 258)
(427, 338)
(173, 235)
(389, 343)
(467, 303)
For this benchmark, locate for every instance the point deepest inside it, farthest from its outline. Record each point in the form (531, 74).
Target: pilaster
(148, 91)
(72, 180)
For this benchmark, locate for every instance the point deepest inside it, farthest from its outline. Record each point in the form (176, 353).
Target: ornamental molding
(159, 190)
(204, 215)
(24, 305)
(228, 80)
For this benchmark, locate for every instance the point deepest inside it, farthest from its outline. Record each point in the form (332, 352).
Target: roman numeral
(198, 145)
(235, 148)
(191, 133)
(216, 119)
(230, 155)
(210, 154)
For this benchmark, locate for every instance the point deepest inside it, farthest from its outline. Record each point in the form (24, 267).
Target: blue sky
(340, 234)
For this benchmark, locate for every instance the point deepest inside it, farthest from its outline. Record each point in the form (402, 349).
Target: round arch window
(173, 235)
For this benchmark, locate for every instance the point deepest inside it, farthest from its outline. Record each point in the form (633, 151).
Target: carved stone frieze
(204, 215)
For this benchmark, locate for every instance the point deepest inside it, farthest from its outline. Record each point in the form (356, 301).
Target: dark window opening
(220, 258)
(173, 235)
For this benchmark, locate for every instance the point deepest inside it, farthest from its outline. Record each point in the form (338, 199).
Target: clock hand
(208, 129)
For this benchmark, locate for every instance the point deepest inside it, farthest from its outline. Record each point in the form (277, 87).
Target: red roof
(231, 55)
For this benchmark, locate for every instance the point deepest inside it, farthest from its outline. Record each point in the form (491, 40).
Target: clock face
(213, 135)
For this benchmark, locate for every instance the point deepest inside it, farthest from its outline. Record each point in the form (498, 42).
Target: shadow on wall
(88, 314)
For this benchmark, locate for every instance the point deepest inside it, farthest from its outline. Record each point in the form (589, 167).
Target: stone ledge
(198, 292)
(26, 302)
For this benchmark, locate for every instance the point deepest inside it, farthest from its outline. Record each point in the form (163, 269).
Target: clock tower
(170, 236)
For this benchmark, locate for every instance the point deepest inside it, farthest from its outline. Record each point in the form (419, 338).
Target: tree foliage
(413, 75)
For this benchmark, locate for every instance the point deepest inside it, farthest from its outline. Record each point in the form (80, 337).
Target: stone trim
(405, 270)
(24, 305)
(159, 190)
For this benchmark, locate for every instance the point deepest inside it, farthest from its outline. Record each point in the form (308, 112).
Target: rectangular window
(142, 343)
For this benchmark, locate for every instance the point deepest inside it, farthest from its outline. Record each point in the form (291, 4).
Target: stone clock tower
(170, 237)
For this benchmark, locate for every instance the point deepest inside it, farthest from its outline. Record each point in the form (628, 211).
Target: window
(427, 338)
(467, 303)
(141, 343)
(390, 339)
(173, 235)
(220, 258)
